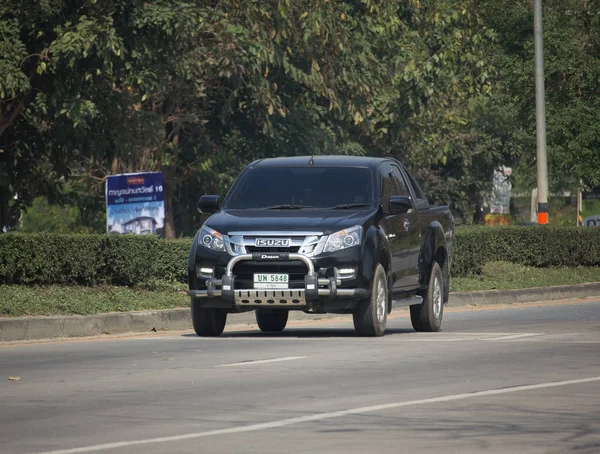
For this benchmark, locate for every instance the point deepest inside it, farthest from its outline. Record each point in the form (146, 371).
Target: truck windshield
(302, 187)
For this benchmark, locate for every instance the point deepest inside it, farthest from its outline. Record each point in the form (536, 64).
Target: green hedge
(135, 260)
(91, 259)
(467, 257)
(531, 246)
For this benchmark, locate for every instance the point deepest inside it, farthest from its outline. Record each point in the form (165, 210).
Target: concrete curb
(560, 292)
(53, 327)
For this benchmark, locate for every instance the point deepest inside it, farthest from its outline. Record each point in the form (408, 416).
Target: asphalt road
(524, 378)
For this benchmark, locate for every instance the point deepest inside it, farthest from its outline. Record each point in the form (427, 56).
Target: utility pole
(540, 115)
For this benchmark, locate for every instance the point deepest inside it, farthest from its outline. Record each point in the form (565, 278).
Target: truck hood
(306, 220)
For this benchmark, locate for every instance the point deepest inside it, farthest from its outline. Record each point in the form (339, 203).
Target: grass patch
(18, 300)
(505, 275)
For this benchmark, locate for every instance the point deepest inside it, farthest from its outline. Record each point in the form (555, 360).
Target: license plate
(271, 280)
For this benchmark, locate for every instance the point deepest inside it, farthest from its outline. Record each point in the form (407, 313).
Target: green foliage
(572, 70)
(469, 257)
(200, 89)
(21, 300)
(506, 275)
(18, 300)
(59, 96)
(43, 217)
(91, 259)
(47, 259)
(12, 53)
(530, 246)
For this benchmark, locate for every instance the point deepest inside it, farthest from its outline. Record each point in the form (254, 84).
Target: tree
(56, 60)
(446, 115)
(199, 89)
(572, 79)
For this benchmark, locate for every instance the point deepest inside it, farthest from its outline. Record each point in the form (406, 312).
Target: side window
(398, 179)
(387, 187)
(421, 199)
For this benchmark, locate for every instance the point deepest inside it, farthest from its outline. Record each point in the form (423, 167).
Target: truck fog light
(345, 273)
(204, 271)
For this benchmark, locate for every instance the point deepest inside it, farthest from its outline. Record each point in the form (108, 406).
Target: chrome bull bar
(262, 257)
(225, 287)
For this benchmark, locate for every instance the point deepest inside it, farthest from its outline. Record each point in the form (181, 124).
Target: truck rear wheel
(370, 316)
(208, 322)
(271, 321)
(427, 316)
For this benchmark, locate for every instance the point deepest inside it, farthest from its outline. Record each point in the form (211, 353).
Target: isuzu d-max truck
(322, 234)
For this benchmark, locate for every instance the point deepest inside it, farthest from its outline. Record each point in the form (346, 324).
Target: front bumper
(310, 295)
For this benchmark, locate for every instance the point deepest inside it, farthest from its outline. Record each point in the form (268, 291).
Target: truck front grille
(246, 242)
(291, 249)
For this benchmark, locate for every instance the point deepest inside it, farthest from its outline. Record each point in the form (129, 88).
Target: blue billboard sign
(135, 203)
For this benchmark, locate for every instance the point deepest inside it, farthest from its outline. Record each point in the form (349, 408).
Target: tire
(271, 321)
(370, 315)
(208, 322)
(427, 316)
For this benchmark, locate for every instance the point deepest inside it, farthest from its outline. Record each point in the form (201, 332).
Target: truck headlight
(211, 239)
(343, 239)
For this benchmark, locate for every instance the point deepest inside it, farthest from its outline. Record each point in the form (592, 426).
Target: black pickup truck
(323, 234)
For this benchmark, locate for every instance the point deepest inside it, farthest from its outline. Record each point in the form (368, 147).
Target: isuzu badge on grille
(272, 242)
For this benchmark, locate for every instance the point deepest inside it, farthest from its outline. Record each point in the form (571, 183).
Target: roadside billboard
(590, 209)
(135, 203)
(501, 191)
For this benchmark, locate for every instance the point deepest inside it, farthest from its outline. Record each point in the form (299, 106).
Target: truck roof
(330, 160)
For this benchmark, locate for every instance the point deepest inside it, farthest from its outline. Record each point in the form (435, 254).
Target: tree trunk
(7, 118)
(169, 193)
(170, 175)
(4, 214)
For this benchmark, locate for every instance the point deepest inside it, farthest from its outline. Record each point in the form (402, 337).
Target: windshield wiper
(286, 207)
(346, 206)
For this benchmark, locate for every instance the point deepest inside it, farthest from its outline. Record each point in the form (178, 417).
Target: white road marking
(261, 361)
(438, 339)
(243, 336)
(320, 417)
(490, 333)
(576, 342)
(562, 341)
(461, 337)
(514, 336)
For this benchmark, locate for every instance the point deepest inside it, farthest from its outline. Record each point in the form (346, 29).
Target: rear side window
(398, 179)
(421, 199)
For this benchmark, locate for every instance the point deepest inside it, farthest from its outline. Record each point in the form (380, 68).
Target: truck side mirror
(400, 204)
(209, 204)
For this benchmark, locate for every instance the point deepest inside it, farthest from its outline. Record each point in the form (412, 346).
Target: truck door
(392, 223)
(409, 234)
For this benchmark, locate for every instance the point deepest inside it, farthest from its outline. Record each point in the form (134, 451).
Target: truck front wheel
(370, 315)
(427, 316)
(271, 321)
(208, 322)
